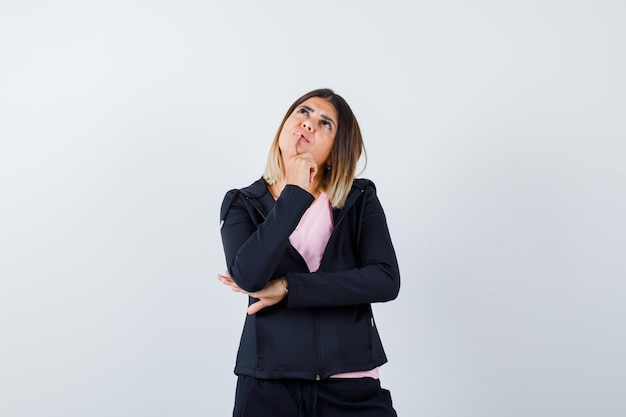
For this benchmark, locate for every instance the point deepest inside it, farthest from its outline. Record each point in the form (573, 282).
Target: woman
(310, 245)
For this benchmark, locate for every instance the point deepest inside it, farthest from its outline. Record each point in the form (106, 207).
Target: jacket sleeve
(376, 279)
(253, 252)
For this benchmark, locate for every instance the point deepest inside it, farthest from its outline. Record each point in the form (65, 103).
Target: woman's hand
(300, 169)
(273, 292)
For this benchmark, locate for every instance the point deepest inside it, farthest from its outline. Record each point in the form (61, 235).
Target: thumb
(255, 307)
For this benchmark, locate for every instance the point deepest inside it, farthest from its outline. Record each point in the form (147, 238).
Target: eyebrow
(323, 116)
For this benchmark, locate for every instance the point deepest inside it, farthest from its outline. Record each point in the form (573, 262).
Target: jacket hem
(308, 375)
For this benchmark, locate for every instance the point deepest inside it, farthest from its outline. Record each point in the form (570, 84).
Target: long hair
(337, 178)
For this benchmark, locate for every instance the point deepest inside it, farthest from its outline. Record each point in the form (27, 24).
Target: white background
(496, 137)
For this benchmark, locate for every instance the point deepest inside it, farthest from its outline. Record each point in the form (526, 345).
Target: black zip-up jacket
(324, 326)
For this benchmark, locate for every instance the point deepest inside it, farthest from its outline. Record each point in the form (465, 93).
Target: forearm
(370, 284)
(369, 274)
(252, 252)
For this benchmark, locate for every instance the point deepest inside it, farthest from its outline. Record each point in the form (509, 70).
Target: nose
(307, 125)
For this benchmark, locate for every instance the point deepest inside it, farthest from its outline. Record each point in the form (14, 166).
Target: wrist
(283, 280)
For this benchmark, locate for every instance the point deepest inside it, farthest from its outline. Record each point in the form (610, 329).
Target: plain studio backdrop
(495, 134)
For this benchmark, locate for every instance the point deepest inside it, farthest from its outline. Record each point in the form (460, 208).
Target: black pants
(335, 397)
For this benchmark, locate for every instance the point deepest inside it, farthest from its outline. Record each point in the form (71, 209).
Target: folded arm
(375, 279)
(253, 252)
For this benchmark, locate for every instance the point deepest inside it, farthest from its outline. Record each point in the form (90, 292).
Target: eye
(326, 124)
(304, 111)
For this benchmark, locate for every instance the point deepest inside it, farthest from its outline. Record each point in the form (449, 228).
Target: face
(311, 128)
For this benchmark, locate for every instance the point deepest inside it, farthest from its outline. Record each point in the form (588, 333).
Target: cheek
(329, 142)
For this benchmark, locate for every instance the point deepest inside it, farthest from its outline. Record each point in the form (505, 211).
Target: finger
(312, 174)
(308, 157)
(230, 283)
(256, 307)
(292, 150)
(225, 280)
(226, 275)
(237, 288)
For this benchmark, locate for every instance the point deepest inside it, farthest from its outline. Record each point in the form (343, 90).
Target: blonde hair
(337, 178)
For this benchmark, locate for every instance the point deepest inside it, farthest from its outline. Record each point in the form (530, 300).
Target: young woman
(309, 244)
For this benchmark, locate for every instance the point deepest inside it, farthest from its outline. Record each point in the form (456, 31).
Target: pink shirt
(310, 239)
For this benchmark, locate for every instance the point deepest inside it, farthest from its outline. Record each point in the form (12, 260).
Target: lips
(301, 136)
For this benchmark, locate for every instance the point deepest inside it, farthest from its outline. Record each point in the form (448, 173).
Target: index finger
(292, 148)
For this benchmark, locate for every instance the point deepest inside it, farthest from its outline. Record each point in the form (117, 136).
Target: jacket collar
(256, 190)
(258, 194)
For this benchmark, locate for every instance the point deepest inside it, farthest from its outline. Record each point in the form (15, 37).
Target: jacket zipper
(256, 206)
(315, 314)
(316, 347)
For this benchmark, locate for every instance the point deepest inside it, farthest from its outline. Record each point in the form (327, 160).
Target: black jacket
(324, 326)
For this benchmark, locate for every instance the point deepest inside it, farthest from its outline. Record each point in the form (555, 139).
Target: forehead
(322, 106)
